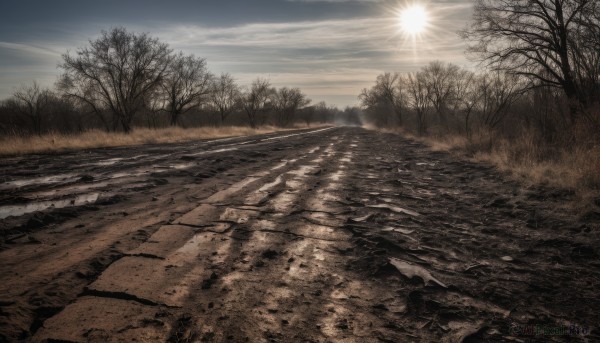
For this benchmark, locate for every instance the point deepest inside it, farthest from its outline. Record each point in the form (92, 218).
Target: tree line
(123, 79)
(538, 75)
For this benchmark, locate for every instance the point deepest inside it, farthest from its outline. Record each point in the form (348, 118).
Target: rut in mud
(330, 235)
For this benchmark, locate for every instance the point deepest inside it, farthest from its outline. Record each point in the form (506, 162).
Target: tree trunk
(174, 118)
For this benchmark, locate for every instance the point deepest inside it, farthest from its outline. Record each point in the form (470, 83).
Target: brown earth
(329, 235)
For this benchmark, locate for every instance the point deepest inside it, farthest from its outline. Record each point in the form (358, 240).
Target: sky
(331, 49)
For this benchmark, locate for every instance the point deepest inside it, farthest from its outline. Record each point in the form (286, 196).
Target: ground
(327, 235)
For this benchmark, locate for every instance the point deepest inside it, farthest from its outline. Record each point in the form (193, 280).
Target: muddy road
(325, 235)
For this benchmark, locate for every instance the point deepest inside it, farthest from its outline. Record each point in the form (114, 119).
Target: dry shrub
(571, 161)
(587, 161)
(16, 145)
(572, 166)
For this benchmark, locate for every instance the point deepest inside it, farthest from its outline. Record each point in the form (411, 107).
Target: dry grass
(576, 168)
(16, 145)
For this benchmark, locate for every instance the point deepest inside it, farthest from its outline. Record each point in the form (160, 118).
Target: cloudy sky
(329, 48)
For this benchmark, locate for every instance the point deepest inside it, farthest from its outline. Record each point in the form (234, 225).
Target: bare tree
(255, 100)
(533, 38)
(440, 80)
(498, 92)
(185, 84)
(286, 101)
(324, 113)
(466, 97)
(418, 98)
(115, 73)
(585, 43)
(308, 114)
(33, 102)
(224, 94)
(154, 108)
(387, 93)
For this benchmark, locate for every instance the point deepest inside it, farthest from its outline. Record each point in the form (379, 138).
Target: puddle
(178, 166)
(212, 151)
(19, 210)
(397, 229)
(396, 209)
(40, 180)
(108, 162)
(129, 174)
(296, 134)
(67, 190)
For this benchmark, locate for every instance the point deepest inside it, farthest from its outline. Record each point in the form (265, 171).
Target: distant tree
(419, 99)
(308, 114)
(498, 91)
(115, 73)
(540, 39)
(255, 100)
(350, 116)
(224, 94)
(386, 94)
(155, 108)
(440, 80)
(466, 97)
(34, 103)
(324, 113)
(186, 83)
(286, 101)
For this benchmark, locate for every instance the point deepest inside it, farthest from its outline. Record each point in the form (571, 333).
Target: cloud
(367, 1)
(330, 59)
(30, 49)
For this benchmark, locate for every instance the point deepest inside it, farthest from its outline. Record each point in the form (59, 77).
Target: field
(328, 234)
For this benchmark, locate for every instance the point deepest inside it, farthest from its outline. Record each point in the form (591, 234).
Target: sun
(414, 20)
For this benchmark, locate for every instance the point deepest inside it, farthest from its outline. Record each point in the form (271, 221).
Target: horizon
(331, 49)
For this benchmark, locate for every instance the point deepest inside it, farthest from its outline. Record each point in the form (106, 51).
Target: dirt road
(327, 235)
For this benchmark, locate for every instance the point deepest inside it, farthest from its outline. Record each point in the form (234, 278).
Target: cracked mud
(328, 235)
